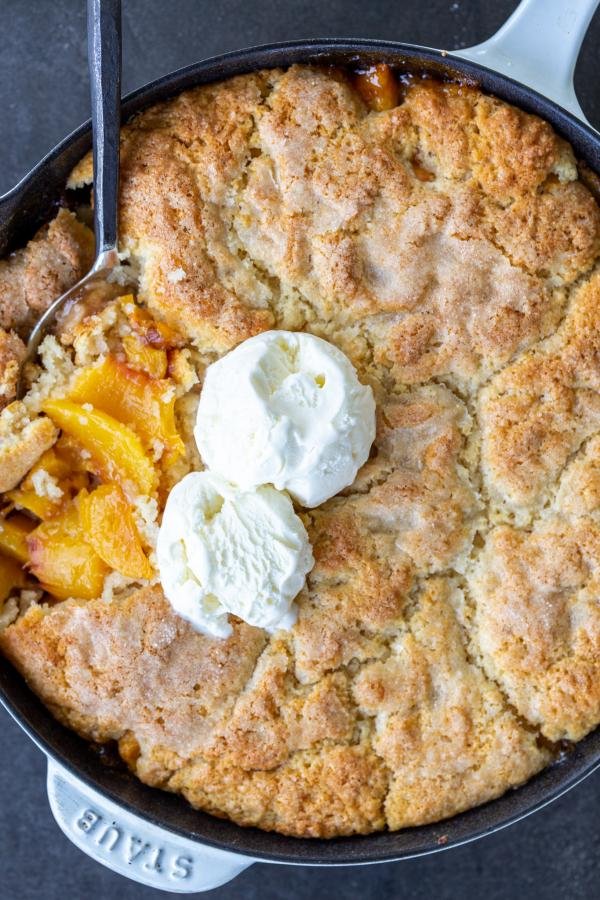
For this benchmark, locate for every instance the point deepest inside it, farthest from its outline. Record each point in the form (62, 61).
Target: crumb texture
(449, 634)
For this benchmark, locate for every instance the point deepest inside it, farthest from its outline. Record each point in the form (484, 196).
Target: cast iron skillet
(33, 202)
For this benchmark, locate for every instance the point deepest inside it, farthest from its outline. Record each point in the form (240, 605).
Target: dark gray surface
(43, 95)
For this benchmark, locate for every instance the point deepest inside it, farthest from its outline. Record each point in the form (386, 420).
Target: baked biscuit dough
(449, 632)
(30, 279)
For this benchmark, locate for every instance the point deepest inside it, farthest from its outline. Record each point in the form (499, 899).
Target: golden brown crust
(12, 351)
(578, 492)
(442, 729)
(53, 261)
(537, 622)
(450, 622)
(420, 492)
(99, 663)
(539, 410)
(338, 791)
(276, 198)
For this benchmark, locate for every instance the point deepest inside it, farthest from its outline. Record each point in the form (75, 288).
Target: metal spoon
(104, 61)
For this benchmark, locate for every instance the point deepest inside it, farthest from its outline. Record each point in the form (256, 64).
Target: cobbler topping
(447, 638)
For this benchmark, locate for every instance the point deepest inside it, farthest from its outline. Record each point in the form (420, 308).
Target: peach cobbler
(446, 643)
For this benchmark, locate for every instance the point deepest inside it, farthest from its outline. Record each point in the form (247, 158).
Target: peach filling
(75, 520)
(378, 87)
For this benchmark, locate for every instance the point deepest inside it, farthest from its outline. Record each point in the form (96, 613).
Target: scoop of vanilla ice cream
(286, 408)
(224, 550)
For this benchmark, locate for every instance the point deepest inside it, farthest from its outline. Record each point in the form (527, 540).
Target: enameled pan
(156, 838)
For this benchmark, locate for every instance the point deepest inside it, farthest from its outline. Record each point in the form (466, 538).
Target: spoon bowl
(98, 274)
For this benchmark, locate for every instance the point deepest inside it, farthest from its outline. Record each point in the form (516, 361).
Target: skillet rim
(29, 204)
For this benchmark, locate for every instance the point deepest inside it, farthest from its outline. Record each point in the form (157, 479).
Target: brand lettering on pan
(115, 839)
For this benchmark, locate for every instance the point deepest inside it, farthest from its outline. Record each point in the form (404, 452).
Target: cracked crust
(426, 688)
(537, 622)
(30, 279)
(98, 663)
(449, 630)
(537, 412)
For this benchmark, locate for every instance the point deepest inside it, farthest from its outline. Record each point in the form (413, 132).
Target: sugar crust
(449, 634)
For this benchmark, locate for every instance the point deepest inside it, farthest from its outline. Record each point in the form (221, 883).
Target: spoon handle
(104, 58)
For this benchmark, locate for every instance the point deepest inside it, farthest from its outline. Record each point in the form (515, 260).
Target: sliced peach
(63, 561)
(11, 576)
(13, 537)
(116, 450)
(149, 330)
(379, 87)
(169, 436)
(26, 497)
(135, 399)
(65, 464)
(144, 358)
(72, 464)
(109, 527)
(42, 507)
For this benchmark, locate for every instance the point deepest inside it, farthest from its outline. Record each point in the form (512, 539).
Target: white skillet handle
(132, 847)
(539, 46)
